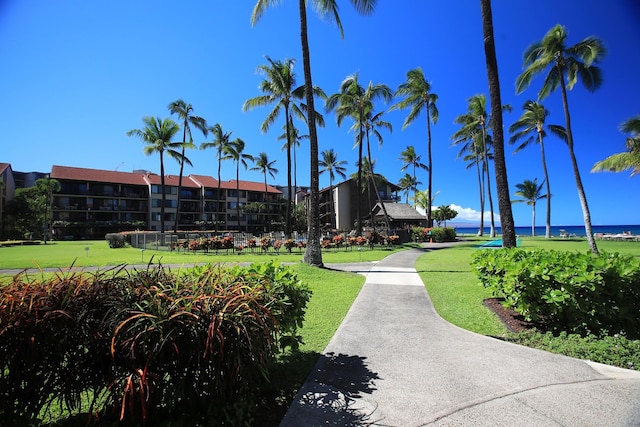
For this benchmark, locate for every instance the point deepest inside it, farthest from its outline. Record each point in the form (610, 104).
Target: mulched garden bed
(513, 320)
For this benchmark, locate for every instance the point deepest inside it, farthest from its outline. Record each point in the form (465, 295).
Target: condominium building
(93, 202)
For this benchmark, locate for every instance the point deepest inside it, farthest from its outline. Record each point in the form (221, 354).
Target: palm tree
(504, 202)
(356, 102)
(530, 128)
(418, 96)
(629, 159)
(530, 192)
(408, 183)
(220, 142)
(333, 166)
(263, 165)
(235, 151)
(313, 252)
(409, 157)
(157, 134)
(183, 111)
(474, 130)
(46, 187)
(572, 63)
(421, 199)
(279, 88)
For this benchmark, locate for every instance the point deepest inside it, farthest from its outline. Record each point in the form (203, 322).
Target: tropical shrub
(393, 240)
(145, 347)
(570, 291)
(115, 240)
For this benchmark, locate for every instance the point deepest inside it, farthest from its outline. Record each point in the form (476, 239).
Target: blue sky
(77, 75)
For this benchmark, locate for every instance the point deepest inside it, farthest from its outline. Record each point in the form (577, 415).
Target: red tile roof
(96, 175)
(170, 180)
(210, 182)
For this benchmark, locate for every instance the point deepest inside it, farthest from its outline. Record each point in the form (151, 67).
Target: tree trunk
(492, 231)
(375, 188)
(238, 193)
(429, 160)
(287, 227)
(576, 172)
(504, 201)
(481, 185)
(533, 219)
(215, 223)
(359, 185)
(547, 233)
(164, 196)
(175, 225)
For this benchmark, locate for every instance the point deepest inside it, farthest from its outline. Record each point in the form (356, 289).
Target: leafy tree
(221, 141)
(421, 199)
(504, 202)
(530, 128)
(294, 140)
(330, 164)
(46, 187)
(329, 8)
(408, 183)
(409, 157)
(566, 65)
(157, 134)
(25, 213)
(184, 112)
(356, 102)
(264, 166)
(444, 213)
(530, 192)
(629, 159)
(235, 152)
(418, 96)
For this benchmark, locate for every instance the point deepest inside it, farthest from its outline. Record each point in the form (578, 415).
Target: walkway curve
(395, 362)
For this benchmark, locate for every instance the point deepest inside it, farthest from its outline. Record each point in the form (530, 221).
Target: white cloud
(467, 214)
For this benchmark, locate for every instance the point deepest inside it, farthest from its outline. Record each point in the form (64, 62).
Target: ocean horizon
(577, 230)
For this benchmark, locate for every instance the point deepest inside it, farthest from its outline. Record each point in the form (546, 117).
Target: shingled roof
(96, 175)
(398, 211)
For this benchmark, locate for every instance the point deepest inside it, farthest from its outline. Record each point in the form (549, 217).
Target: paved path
(395, 362)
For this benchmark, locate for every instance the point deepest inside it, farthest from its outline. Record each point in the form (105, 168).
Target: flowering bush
(265, 243)
(301, 244)
(227, 242)
(251, 243)
(239, 248)
(352, 241)
(289, 244)
(277, 245)
(361, 241)
(338, 240)
(393, 240)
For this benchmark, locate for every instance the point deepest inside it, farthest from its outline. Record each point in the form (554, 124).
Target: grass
(64, 254)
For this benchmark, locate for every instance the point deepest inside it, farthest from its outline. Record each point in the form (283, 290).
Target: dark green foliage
(145, 347)
(616, 350)
(437, 234)
(116, 240)
(566, 291)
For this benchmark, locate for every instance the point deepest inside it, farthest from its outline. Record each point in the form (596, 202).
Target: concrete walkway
(395, 362)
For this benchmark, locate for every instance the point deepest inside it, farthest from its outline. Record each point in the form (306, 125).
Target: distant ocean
(578, 230)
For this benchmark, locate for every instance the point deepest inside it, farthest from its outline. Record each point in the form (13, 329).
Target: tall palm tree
(356, 102)
(530, 192)
(46, 187)
(530, 128)
(474, 129)
(422, 199)
(418, 96)
(567, 65)
(220, 141)
(279, 88)
(408, 183)
(330, 164)
(263, 165)
(157, 134)
(372, 124)
(504, 202)
(313, 252)
(629, 159)
(409, 157)
(235, 151)
(184, 112)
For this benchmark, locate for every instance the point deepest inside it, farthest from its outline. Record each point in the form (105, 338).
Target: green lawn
(64, 254)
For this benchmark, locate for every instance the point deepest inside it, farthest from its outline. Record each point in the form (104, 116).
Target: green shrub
(576, 292)
(116, 240)
(145, 346)
(440, 235)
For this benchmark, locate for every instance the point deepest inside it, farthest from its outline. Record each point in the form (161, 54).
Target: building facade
(94, 202)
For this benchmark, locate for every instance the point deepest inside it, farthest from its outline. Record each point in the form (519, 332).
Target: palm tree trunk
(492, 232)
(331, 211)
(429, 161)
(312, 253)
(215, 225)
(359, 185)
(504, 201)
(547, 233)
(533, 219)
(266, 204)
(576, 172)
(481, 185)
(238, 194)
(375, 188)
(175, 225)
(164, 196)
(288, 213)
